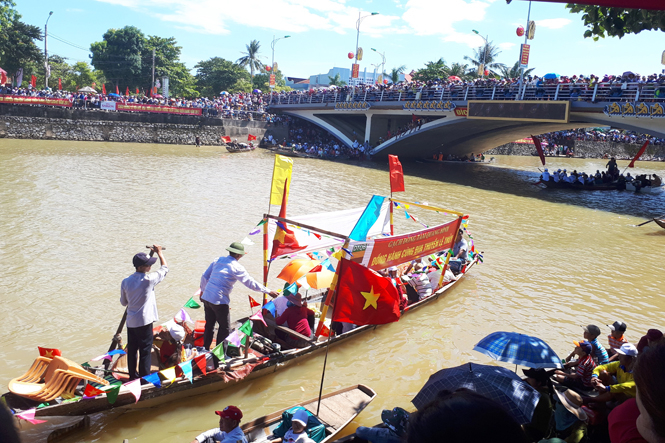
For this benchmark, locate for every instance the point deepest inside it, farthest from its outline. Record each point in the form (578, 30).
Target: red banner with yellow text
(157, 108)
(23, 100)
(381, 253)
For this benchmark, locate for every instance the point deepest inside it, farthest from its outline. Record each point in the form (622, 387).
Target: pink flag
(259, 316)
(135, 388)
(29, 415)
(197, 293)
(234, 338)
(183, 316)
(102, 357)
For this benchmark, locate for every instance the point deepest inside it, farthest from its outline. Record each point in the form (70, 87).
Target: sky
(323, 32)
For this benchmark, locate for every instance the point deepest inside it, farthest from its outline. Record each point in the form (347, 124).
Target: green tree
(216, 74)
(486, 55)
(431, 71)
(458, 69)
(251, 57)
(119, 56)
(81, 76)
(616, 22)
(167, 63)
(242, 85)
(395, 73)
(515, 71)
(336, 80)
(262, 79)
(7, 13)
(17, 47)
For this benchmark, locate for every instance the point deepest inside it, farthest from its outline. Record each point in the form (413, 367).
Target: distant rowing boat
(239, 147)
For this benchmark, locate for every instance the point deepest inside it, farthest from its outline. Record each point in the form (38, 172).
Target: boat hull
(645, 189)
(580, 187)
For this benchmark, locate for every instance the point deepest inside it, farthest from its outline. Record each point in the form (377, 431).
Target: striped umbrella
(519, 349)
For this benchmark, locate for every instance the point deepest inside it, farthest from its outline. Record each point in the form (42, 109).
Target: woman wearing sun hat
(216, 286)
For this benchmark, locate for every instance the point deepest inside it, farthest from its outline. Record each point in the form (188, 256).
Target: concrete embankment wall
(35, 122)
(583, 148)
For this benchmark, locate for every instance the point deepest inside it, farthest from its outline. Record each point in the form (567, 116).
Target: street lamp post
(383, 62)
(482, 73)
(46, 73)
(272, 46)
(360, 19)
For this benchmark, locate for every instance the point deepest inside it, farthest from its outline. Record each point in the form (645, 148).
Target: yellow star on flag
(371, 298)
(48, 354)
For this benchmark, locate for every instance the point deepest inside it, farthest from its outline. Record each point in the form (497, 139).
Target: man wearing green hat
(216, 286)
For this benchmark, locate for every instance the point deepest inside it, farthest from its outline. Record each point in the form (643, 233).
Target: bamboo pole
(331, 295)
(311, 228)
(431, 208)
(266, 265)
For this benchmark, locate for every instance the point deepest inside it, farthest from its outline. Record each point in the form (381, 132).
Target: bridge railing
(601, 92)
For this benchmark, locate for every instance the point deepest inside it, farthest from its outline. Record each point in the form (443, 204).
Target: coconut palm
(395, 73)
(457, 69)
(336, 80)
(514, 72)
(251, 57)
(486, 55)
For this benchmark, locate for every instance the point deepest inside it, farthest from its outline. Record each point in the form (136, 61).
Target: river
(72, 214)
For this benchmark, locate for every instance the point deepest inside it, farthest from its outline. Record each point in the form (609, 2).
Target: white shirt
(137, 292)
(218, 280)
(291, 437)
(234, 436)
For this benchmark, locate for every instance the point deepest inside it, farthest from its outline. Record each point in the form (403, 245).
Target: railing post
(637, 93)
(365, 98)
(466, 93)
(381, 99)
(335, 95)
(441, 95)
(310, 98)
(399, 98)
(556, 93)
(493, 92)
(595, 91)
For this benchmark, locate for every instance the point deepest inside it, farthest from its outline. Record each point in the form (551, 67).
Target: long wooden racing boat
(660, 222)
(580, 187)
(644, 189)
(215, 380)
(336, 411)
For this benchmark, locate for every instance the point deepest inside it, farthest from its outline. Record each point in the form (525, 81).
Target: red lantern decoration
(268, 68)
(385, 81)
(487, 73)
(520, 31)
(350, 55)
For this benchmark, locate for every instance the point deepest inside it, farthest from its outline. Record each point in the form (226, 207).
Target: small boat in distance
(239, 147)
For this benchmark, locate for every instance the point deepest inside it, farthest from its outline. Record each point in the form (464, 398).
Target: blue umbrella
(519, 349)
(113, 94)
(496, 383)
(550, 76)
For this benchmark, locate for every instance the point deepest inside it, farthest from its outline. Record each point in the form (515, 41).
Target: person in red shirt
(295, 315)
(580, 377)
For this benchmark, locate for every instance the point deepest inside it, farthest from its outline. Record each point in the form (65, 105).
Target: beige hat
(572, 401)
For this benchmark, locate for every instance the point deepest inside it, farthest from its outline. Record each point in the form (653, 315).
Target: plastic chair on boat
(36, 372)
(60, 380)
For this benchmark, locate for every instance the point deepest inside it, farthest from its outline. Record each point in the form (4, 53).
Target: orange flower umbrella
(321, 279)
(297, 268)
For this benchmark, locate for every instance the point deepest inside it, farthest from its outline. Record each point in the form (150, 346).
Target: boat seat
(59, 380)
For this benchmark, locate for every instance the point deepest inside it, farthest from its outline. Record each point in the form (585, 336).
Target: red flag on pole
(253, 303)
(251, 137)
(60, 84)
(33, 81)
(91, 391)
(104, 89)
(364, 297)
(127, 91)
(116, 90)
(639, 154)
(539, 148)
(226, 139)
(396, 174)
(3, 76)
(48, 352)
(137, 90)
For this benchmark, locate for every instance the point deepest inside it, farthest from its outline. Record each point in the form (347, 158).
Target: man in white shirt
(137, 292)
(216, 286)
(229, 428)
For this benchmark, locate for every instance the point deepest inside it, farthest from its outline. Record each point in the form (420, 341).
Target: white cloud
(506, 45)
(470, 39)
(428, 17)
(553, 23)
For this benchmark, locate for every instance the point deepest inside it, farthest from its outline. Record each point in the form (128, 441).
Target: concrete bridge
(461, 120)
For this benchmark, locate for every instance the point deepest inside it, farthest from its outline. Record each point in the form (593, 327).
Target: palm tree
(457, 69)
(336, 80)
(395, 73)
(486, 55)
(251, 57)
(514, 72)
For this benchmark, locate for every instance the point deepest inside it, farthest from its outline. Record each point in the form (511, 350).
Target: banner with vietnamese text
(381, 253)
(157, 108)
(23, 100)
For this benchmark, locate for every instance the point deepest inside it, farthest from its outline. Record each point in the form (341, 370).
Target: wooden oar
(649, 221)
(114, 342)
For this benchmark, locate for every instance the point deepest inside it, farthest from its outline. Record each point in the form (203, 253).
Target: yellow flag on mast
(280, 174)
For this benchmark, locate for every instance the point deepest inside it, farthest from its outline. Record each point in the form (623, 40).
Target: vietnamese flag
(251, 137)
(91, 391)
(49, 352)
(364, 297)
(33, 81)
(104, 89)
(127, 91)
(539, 148)
(396, 174)
(253, 303)
(137, 91)
(226, 139)
(639, 154)
(60, 84)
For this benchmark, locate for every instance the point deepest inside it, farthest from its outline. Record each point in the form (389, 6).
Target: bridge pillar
(368, 128)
